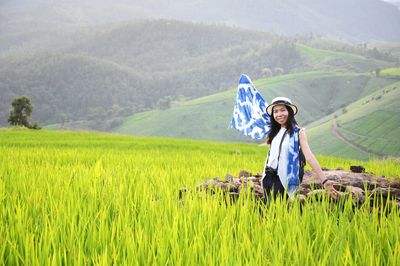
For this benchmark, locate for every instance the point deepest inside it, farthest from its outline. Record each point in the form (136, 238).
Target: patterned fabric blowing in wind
(249, 115)
(250, 118)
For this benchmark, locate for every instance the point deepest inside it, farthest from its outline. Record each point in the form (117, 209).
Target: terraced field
(86, 198)
(321, 97)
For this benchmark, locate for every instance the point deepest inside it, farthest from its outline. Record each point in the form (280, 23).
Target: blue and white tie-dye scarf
(249, 115)
(251, 118)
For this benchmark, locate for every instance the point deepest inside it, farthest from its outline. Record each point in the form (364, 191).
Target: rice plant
(84, 198)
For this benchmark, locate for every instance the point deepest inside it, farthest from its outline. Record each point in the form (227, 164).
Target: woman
(288, 142)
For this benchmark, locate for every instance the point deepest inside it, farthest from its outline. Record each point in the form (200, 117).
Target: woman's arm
(328, 185)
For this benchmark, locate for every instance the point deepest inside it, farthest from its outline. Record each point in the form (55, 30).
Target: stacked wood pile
(356, 184)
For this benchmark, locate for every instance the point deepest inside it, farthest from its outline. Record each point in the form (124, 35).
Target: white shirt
(283, 159)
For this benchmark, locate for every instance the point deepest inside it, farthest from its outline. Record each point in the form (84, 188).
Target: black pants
(273, 188)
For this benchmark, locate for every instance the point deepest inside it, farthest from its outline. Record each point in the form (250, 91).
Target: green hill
(156, 44)
(370, 126)
(100, 77)
(74, 86)
(317, 94)
(332, 60)
(133, 66)
(373, 122)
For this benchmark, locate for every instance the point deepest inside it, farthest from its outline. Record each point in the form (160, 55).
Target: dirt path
(354, 145)
(363, 136)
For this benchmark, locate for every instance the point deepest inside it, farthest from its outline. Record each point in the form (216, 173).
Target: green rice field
(391, 71)
(78, 198)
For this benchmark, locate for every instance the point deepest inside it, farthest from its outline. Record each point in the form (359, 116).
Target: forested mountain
(102, 76)
(132, 67)
(91, 64)
(355, 20)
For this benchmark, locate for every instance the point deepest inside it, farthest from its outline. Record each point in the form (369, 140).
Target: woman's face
(280, 113)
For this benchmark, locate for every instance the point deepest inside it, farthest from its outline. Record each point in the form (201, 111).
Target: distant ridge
(354, 20)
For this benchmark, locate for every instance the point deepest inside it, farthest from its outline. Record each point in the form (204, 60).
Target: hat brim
(271, 106)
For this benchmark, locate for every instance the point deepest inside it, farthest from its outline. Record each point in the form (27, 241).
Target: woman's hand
(329, 188)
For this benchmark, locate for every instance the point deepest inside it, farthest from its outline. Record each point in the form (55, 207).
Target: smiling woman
(283, 171)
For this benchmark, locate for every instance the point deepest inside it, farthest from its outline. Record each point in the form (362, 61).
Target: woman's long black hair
(275, 126)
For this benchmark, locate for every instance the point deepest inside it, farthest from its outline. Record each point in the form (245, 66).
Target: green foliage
(21, 112)
(164, 103)
(377, 72)
(78, 198)
(137, 64)
(20, 115)
(267, 72)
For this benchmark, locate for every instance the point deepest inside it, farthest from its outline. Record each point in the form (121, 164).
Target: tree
(377, 72)
(20, 115)
(277, 71)
(267, 72)
(63, 118)
(164, 103)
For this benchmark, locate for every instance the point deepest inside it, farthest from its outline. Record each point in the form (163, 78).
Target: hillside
(170, 59)
(370, 125)
(69, 86)
(317, 94)
(373, 122)
(343, 58)
(134, 67)
(153, 45)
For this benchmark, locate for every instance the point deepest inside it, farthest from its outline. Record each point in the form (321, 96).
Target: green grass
(339, 61)
(317, 56)
(391, 71)
(80, 198)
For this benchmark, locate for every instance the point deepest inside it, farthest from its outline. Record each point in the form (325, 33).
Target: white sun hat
(281, 100)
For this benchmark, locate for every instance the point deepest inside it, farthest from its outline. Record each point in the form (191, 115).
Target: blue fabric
(251, 118)
(293, 163)
(249, 114)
